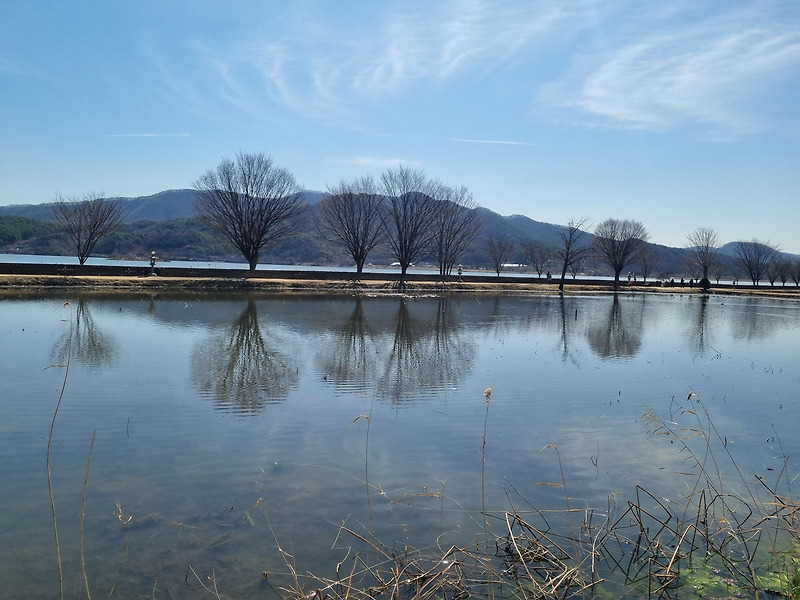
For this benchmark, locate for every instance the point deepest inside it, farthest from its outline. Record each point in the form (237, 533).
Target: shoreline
(332, 282)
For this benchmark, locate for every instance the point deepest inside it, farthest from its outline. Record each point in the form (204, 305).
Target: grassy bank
(263, 282)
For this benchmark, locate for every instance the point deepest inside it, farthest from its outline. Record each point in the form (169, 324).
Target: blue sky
(678, 114)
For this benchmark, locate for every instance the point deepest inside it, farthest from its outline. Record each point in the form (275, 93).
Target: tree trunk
(253, 260)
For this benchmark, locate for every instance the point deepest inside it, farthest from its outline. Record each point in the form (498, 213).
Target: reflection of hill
(239, 370)
(85, 342)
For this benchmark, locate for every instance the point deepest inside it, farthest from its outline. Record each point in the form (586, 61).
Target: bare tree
(778, 269)
(350, 216)
(248, 201)
(619, 243)
(703, 251)
(456, 224)
(538, 255)
(500, 250)
(87, 219)
(571, 253)
(647, 262)
(410, 211)
(754, 257)
(795, 272)
(576, 264)
(783, 269)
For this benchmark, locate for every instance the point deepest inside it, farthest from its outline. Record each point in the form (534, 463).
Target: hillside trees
(15, 229)
(249, 201)
(703, 251)
(350, 215)
(754, 257)
(619, 242)
(87, 219)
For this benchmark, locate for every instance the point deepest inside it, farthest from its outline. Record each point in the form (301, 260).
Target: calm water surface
(226, 426)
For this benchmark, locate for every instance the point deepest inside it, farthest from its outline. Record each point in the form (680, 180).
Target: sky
(678, 114)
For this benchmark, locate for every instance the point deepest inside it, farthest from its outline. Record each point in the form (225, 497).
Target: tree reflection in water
(87, 344)
(421, 355)
(620, 334)
(351, 360)
(424, 356)
(239, 370)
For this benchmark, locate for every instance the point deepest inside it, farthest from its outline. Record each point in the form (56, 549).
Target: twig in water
(49, 477)
(83, 513)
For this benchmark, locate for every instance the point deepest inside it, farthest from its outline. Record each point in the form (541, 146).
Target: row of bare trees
(617, 243)
(251, 202)
(409, 213)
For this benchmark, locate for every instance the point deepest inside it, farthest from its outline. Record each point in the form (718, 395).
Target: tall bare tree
(410, 212)
(703, 250)
(647, 262)
(538, 255)
(456, 224)
(500, 250)
(619, 242)
(350, 216)
(576, 264)
(795, 272)
(87, 219)
(249, 201)
(755, 257)
(782, 269)
(571, 253)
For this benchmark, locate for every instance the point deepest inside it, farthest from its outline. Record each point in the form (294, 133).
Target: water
(186, 264)
(227, 426)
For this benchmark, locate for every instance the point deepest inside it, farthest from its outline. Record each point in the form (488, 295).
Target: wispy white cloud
(713, 74)
(502, 142)
(319, 70)
(146, 135)
(615, 65)
(380, 163)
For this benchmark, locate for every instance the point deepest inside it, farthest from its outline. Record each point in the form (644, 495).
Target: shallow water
(228, 425)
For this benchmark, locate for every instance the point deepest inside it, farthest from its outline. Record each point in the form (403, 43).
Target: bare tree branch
(703, 250)
(410, 211)
(248, 201)
(87, 219)
(619, 243)
(350, 216)
(755, 258)
(538, 255)
(456, 224)
(500, 250)
(571, 252)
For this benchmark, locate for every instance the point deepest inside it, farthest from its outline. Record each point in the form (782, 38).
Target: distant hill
(163, 206)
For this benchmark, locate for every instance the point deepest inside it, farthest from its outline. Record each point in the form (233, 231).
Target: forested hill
(165, 222)
(163, 206)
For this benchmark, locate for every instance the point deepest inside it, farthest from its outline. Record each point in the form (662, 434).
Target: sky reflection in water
(216, 415)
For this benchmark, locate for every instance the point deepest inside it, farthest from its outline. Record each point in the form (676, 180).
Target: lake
(205, 440)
